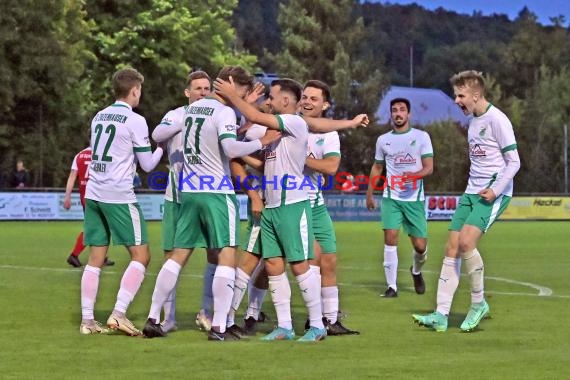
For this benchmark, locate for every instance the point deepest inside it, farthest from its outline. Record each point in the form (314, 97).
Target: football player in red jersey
(79, 169)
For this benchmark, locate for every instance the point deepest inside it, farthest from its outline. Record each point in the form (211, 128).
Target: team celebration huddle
(281, 134)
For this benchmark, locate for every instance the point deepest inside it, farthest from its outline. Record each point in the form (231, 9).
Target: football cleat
(92, 327)
(419, 284)
(435, 321)
(123, 324)
(168, 326)
(108, 263)
(203, 321)
(74, 261)
(477, 312)
(280, 333)
(237, 332)
(249, 326)
(390, 293)
(216, 336)
(338, 329)
(313, 334)
(152, 329)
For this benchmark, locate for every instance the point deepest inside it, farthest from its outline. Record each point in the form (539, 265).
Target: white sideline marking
(543, 291)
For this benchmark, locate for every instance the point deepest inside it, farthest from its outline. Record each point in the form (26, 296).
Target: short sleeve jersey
(206, 167)
(80, 164)
(490, 136)
(117, 132)
(284, 163)
(321, 145)
(174, 151)
(403, 152)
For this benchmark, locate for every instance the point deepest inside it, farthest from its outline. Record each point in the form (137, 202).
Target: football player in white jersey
(323, 158)
(119, 138)
(406, 152)
(198, 86)
(494, 163)
(209, 211)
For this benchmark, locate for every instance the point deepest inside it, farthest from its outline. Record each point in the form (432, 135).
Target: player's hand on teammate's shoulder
(271, 135)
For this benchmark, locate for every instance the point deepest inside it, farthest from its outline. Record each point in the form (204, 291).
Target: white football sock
(223, 290)
(447, 285)
(475, 270)
(240, 286)
(169, 306)
(311, 291)
(391, 265)
(419, 260)
(256, 297)
(130, 285)
(329, 295)
(207, 295)
(89, 288)
(280, 291)
(165, 284)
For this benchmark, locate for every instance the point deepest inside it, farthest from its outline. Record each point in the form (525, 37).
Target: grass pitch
(527, 264)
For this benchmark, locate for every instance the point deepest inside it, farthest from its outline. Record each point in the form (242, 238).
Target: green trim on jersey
(508, 148)
(493, 179)
(142, 149)
(226, 136)
(402, 133)
(332, 154)
(379, 162)
(427, 155)
(120, 105)
(281, 125)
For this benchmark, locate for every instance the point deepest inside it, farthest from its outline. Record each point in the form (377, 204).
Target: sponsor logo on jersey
(404, 159)
(475, 150)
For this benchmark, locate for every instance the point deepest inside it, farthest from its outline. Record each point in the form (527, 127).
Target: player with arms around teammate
(408, 155)
(119, 138)
(198, 87)
(286, 226)
(209, 210)
(494, 163)
(323, 158)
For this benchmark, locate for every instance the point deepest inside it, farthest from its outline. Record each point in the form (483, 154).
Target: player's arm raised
(251, 113)
(323, 125)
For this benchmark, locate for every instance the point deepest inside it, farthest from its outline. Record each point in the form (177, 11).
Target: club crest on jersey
(475, 150)
(320, 141)
(413, 143)
(231, 127)
(404, 159)
(270, 155)
(482, 131)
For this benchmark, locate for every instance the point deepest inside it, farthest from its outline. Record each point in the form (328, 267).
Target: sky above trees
(543, 9)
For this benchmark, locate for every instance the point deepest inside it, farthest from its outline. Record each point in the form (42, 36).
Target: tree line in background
(57, 58)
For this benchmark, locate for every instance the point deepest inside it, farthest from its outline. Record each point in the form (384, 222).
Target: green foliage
(165, 41)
